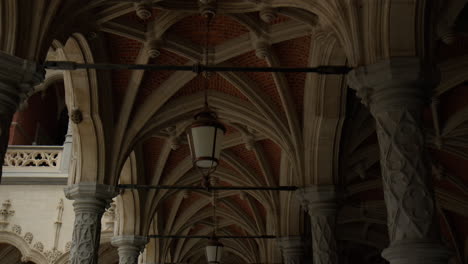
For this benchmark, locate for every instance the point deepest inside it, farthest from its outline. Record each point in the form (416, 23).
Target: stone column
(320, 202)
(17, 80)
(396, 91)
(90, 202)
(129, 248)
(292, 248)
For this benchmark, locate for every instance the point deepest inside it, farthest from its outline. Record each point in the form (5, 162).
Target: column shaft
(129, 248)
(292, 249)
(90, 201)
(320, 202)
(396, 92)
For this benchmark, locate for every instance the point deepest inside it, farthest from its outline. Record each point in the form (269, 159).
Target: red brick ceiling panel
(273, 155)
(235, 229)
(224, 164)
(196, 228)
(153, 79)
(243, 204)
(295, 53)
(175, 157)
(456, 49)
(230, 130)
(193, 28)
(151, 153)
(216, 82)
(189, 201)
(249, 158)
(263, 80)
(121, 51)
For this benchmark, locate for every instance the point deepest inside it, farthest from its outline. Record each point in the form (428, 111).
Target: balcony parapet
(35, 165)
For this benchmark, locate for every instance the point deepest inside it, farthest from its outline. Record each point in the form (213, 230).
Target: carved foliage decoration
(86, 235)
(409, 200)
(323, 239)
(39, 246)
(28, 237)
(128, 259)
(6, 213)
(16, 229)
(52, 255)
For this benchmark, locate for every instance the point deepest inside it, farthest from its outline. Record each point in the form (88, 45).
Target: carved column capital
(292, 248)
(129, 248)
(417, 252)
(87, 190)
(394, 83)
(318, 199)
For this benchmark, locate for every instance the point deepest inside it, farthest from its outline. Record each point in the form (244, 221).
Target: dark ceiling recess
(461, 24)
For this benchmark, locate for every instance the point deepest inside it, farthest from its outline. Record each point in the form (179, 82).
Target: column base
(417, 253)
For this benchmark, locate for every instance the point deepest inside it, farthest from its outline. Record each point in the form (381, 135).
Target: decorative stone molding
(207, 7)
(16, 229)
(68, 246)
(32, 158)
(28, 237)
(143, 9)
(293, 249)
(53, 255)
(90, 202)
(6, 213)
(110, 217)
(129, 248)
(267, 14)
(154, 47)
(320, 202)
(76, 116)
(39, 246)
(396, 91)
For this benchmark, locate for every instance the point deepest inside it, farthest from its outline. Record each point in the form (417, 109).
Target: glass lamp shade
(214, 251)
(205, 137)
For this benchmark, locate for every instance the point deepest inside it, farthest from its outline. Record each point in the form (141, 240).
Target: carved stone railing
(33, 158)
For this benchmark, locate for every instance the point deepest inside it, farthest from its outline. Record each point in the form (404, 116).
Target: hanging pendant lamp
(205, 135)
(214, 251)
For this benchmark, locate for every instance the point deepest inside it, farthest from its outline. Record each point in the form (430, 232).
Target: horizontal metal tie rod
(217, 188)
(197, 68)
(209, 237)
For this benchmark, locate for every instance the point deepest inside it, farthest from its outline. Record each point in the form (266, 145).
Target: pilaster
(90, 202)
(17, 79)
(396, 91)
(292, 248)
(320, 202)
(129, 248)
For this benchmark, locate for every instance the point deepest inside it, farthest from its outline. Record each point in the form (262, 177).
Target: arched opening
(11, 255)
(43, 120)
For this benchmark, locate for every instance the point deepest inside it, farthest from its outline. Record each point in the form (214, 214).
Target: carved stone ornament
(53, 255)
(143, 9)
(90, 201)
(16, 229)
(28, 237)
(76, 116)
(5, 214)
(68, 246)
(38, 246)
